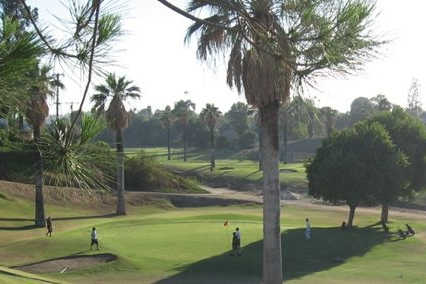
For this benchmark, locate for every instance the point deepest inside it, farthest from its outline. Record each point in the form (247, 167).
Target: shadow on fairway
(329, 247)
(30, 227)
(253, 173)
(19, 228)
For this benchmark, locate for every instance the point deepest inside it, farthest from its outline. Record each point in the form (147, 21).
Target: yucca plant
(72, 158)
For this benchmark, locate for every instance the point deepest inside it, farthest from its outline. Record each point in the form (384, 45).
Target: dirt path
(307, 202)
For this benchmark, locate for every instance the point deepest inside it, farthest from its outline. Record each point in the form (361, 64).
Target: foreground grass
(192, 245)
(228, 172)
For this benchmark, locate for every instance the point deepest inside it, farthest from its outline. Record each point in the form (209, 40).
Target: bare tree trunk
(168, 143)
(351, 215)
(212, 149)
(121, 201)
(39, 199)
(272, 260)
(184, 142)
(385, 213)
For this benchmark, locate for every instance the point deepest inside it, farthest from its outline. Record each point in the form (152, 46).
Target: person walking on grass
(94, 238)
(308, 229)
(49, 226)
(234, 244)
(238, 240)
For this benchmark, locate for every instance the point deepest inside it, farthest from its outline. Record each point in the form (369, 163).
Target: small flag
(226, 223)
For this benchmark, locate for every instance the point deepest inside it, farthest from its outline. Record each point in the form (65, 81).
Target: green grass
(237, 172)
(192, 245)
(12, 276)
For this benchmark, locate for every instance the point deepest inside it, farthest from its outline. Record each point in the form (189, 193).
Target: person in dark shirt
(49, 226)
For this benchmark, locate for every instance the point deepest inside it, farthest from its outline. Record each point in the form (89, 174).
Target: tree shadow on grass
(30, 227)
(329, 247)
(253, 173)
(19, 228)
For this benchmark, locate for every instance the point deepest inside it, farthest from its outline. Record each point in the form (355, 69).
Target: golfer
(238, 240)
(49, 226)
(94, 238)
(308, 229)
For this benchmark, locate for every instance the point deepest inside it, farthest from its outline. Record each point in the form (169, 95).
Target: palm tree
(210, 115)
(116, 90)
(36, 112)
(167, 120)
(183, 111)
(330, 116)
(272, 44)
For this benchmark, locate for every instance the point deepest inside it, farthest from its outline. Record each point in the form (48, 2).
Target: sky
(153, 54)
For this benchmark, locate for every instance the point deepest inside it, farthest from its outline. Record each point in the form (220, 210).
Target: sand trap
(69, 263)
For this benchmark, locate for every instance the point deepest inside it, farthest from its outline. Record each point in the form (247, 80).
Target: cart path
(256, 196)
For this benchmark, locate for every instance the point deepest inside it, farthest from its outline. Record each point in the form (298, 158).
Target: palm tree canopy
(116, 90)
(210, 114)
(37, 109)
(183, 109)
(275, 43)
(166, 116)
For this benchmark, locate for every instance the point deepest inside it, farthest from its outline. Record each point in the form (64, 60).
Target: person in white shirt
(308, 229)
(94, 238)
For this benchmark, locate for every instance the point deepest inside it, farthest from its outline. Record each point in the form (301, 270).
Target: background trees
(409, 136)
(357, 165)
(167, 120)
(414, 103)
(210, 115)
(116, 91)
(361, 108)
(183, 111)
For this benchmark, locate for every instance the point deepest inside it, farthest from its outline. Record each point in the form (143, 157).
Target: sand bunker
(288, 171)
(69, 263)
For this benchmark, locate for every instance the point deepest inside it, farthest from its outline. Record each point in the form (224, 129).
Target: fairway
(190, 245)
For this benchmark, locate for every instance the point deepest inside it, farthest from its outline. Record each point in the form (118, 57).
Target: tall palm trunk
(385, 212)
(351, 215)
(272, 261)
(212, 150)
(168, 143)
(285, 138)
(260, 148)
(184, 142)
(121, 202)
(39, 200)
(21, 122)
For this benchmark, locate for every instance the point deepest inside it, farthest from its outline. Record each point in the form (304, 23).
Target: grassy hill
(158, 243)
(239, 174)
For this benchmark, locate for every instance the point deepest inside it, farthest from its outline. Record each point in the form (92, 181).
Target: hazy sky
(154, 56)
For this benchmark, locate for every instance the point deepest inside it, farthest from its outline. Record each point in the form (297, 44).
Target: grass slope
(235, 173)
(192, 245)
